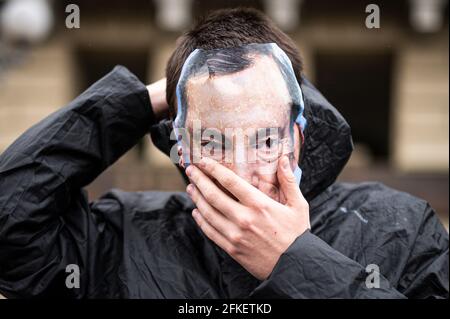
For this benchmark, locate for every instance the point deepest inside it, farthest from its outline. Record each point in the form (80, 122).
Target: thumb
(288, 183)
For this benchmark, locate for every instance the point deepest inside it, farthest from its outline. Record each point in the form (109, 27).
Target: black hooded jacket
(366, 240)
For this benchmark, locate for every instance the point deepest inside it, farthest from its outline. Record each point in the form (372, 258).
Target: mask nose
(245, 171)
(240, 164)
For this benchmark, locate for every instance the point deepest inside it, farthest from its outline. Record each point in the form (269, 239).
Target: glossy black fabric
(146, 244)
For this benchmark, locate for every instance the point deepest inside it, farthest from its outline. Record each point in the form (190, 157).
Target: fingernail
(189, 170)
(189, 189)
(195, 212)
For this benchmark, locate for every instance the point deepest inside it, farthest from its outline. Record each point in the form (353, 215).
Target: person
(237, 233)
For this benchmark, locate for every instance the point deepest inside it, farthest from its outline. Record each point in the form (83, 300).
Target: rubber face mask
(240, 106)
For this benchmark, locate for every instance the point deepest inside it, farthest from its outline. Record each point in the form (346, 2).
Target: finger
(213, 195)
(210, 214)
(288, 183)
(240, 188)
(211, 232)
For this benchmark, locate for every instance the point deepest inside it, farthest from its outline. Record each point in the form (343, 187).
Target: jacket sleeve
(426, 272)
(46, 222)
(310, 268)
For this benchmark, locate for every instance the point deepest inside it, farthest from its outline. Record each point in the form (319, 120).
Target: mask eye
(268, 143)
(269, 149)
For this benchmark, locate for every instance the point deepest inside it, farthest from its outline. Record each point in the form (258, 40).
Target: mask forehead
(219, 62)
(253, 97)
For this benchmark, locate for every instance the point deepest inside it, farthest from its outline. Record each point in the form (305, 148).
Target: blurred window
(359, 86)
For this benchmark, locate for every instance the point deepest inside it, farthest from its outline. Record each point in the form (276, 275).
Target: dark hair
(226, 61)
(227, 28)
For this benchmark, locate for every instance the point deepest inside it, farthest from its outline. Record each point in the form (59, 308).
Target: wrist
(157, 93)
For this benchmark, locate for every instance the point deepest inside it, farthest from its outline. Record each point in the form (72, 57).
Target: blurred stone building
(390, 83)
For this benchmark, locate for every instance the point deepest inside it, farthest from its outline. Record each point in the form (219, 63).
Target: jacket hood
(326, 149)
